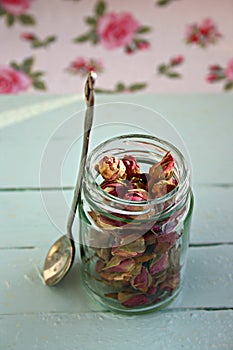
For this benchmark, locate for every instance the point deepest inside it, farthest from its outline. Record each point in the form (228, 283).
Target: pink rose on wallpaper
(117, 29)
(219, 73)
(203, 33)
(16, 7)
(168, 69)
(13, 81)
(114, 30)
(229, 70)
(82, 66)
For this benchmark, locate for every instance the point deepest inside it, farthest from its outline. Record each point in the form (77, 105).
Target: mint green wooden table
(33, 316)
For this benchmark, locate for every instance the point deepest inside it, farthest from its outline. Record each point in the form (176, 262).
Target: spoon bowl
(59, 259)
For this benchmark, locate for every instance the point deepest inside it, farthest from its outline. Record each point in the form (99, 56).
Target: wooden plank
(204, 122)
(212, 218)
(192, 330)
(208, 283)
(25, 221)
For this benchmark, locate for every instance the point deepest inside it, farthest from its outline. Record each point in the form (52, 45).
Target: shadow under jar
(133, 253)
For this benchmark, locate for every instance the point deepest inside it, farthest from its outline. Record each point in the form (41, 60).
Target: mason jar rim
(181, 188)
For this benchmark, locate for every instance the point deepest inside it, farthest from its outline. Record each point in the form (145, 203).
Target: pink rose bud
(215, 67)
(130, 299)
(194, 38)
(79, 63)
(177, 60)
(111, 168)
(132, 166)
(211, 78)
(143, 45)
(129, 50)
(28, 36)
(207, 26)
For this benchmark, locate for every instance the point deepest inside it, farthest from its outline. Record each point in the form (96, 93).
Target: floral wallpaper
(133, 45)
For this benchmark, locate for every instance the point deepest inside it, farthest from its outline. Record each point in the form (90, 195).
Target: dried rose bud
(158, 265)
(117, 188)
(136, 195)
(117, 220)
(162, 187)
(150, 238)
(119, 264)
(111, 278)
(140, 181)
(111, 168)
(171, 283)
(103, 253)
(132, 166)
(133, 249)
(152, 288)
(171, 238)
(130, 299)
(162, 170)
(142, 281)
(99, 265)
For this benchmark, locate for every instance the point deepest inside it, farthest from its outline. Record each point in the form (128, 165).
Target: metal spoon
(61, 255)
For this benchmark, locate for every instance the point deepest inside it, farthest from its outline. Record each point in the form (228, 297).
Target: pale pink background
(65, 19)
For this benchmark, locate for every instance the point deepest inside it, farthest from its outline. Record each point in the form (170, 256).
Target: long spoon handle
(89, 96)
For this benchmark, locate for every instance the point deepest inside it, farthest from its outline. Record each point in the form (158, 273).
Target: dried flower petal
(111, 168)
(160, 277)
(158, 265)
(152, 288)
(142, 280)
(162, 187)
(167, 239)
(113, 277)
(103, 253)
(130, 299)
(174, 259)
(99, 265)
(116, 188)
(150, 238)
(132, 166)
(132, 249)
(144, 257)
(119, 264)
(137, 195)
(171, 283)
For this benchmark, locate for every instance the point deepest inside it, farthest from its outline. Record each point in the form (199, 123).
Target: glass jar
(133, 254)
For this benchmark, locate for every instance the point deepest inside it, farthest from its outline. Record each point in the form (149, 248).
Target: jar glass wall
(133, 253)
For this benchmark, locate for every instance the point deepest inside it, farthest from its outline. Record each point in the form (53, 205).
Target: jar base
(113, 305)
